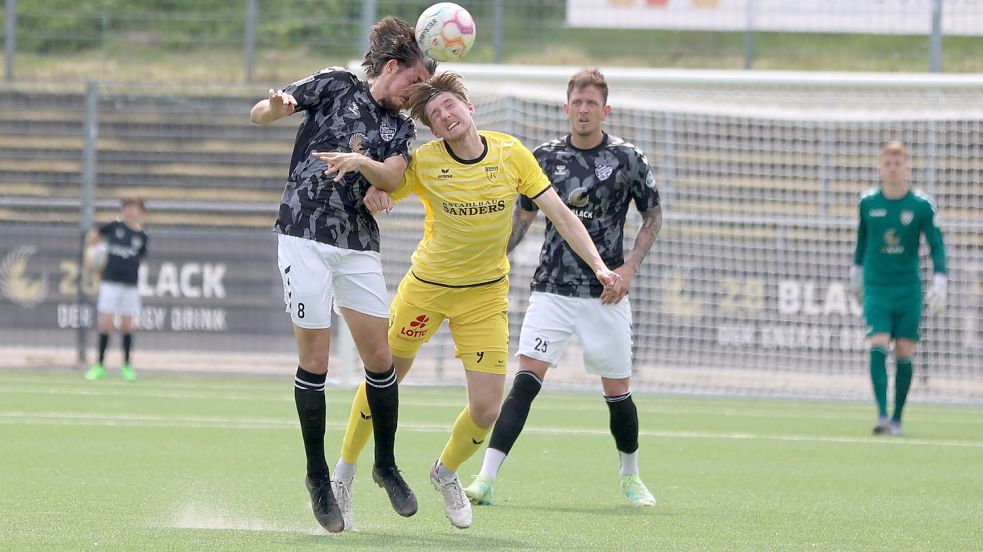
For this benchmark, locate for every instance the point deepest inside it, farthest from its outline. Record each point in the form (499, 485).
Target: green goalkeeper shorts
(896, 311)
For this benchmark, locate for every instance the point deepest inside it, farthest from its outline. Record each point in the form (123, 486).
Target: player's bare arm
(277, 106)
(377, 201)
(573, 231)
(644, 239)
(521, 221)
(92, 237)
(386, 175)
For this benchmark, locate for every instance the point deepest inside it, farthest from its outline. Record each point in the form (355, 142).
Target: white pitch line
(654, 409)
(218, 422)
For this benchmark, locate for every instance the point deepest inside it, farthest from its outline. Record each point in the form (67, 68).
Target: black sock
(624, 422)
(382, 393)
(309, 396)
(515, 410)
(103, 343)
(127, 344)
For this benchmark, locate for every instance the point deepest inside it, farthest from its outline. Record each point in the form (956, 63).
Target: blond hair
(894, 148)
(588, 77)
(422, 93)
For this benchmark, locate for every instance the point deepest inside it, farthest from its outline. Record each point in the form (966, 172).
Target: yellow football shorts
(477, 316)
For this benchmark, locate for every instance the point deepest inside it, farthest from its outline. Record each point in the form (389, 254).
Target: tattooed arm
(651, 224)
(521, 221)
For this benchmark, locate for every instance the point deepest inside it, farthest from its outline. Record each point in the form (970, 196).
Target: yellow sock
(466, 439)
(359, 427)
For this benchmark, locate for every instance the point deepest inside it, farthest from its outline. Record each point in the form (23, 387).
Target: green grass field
(208, 464)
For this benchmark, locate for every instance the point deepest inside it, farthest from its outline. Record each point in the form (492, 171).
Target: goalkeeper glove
(857, 282)
(936, 296)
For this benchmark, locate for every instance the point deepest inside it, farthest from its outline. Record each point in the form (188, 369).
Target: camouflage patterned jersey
(597, 185)
(339, 115)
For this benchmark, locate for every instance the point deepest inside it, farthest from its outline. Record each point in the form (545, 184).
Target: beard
(391, 105)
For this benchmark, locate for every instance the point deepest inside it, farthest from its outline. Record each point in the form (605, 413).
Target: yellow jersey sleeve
(532, 182)
(409, 183)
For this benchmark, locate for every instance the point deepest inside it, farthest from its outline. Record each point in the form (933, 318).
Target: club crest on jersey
(355, 143)
(491, 173)
(907, 217)
(136, 242)
(603, 171)
(120, 233)
(386, 132)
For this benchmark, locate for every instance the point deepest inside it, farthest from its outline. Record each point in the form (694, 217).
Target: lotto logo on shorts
(417, 327)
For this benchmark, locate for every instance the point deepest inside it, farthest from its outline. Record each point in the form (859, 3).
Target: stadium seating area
(198, 161)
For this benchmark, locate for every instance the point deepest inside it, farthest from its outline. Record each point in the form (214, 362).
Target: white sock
(443, 473)
(629, 463)
(344, 470)
(493, 463)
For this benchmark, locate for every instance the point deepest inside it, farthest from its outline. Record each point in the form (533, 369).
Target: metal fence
(744, 292)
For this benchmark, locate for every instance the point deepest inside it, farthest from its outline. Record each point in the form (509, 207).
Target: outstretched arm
(277, 106)
(386, 175)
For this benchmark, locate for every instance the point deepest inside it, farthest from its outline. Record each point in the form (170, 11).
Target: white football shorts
(315, 274)
(604, 330)
(117, 298)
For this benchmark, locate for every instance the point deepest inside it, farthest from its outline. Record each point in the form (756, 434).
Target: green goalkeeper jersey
(888, 236)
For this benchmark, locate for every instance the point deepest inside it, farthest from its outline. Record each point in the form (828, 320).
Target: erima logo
(417, 327)
(365, 416)
(877, 213)
(475, 441)
(16, 285)
(445, 173)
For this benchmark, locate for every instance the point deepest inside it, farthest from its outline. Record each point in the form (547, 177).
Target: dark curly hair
(393, 38)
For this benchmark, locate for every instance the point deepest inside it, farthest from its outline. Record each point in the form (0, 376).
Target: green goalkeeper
(886, 277)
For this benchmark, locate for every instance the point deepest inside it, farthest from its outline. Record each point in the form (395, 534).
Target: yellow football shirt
(468, 208)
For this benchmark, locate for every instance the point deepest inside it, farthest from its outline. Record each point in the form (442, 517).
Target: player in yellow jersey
(468, 182)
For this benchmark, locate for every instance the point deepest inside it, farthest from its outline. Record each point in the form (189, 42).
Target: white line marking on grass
(221, 422)
(751, 411)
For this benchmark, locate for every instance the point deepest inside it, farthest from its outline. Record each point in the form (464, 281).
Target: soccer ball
(445, 31)
(96, 255)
